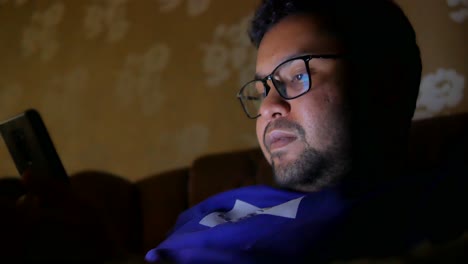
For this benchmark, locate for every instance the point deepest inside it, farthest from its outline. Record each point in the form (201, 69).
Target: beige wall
(139, 87)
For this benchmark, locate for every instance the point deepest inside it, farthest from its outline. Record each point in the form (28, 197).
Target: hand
(44, 189)
(56, 225)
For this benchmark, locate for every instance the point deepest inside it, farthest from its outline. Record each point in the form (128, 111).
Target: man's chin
(286, 156)
(282, 165)
(307, 171)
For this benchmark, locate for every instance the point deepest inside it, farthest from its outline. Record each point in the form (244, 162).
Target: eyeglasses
(291, 79)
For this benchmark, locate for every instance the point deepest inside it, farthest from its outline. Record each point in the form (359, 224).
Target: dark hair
(373, 32)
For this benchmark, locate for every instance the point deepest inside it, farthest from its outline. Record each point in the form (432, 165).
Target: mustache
(286, 125)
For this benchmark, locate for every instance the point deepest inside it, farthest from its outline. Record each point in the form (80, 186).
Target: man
(333, 97)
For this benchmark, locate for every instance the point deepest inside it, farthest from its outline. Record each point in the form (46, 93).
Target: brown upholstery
(432, 139)
(162, 198)
(137, 216)
(220, 172)
(114, 199)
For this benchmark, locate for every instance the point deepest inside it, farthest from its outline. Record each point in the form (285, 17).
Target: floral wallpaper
(140, 87)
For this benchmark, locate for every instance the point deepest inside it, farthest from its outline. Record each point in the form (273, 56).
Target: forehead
(293, 36)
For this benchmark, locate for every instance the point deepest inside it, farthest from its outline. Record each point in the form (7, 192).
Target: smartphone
(31, 147)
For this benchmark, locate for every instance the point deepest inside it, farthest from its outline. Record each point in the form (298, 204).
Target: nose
(273, 105)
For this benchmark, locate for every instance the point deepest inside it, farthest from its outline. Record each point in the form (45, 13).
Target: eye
(298, 83)
(298, 77)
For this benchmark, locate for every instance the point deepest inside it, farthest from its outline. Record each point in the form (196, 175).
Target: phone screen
(7, 166)
(31, 147)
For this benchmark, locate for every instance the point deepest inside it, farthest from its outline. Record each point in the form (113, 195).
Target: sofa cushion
(162, 198)
(114, 199)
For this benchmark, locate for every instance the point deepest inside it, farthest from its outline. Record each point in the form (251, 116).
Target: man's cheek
(259, 130)
(265, 152)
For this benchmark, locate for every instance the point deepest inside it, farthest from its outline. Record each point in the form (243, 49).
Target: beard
(312, 170)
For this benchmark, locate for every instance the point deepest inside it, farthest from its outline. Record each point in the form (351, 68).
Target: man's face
(306, 140)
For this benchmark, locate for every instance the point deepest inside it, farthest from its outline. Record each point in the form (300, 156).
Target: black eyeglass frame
(305, 58)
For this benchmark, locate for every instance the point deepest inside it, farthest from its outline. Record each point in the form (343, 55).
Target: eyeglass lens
(291, 79)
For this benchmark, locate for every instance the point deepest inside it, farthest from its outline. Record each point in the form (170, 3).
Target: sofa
(134, 217)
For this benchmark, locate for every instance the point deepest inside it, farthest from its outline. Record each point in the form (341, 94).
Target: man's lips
(278, 139)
